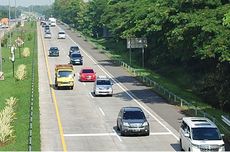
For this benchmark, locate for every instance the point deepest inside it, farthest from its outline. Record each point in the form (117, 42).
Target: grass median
(11, 87)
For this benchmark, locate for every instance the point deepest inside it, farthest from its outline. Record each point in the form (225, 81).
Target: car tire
(148, 133)
(122, 132)
(181, 148)
(118, 129)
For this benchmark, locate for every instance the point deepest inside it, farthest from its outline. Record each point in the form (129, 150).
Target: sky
(26, 2)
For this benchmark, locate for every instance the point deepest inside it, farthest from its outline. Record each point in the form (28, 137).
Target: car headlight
(145, 124)
(125, 124)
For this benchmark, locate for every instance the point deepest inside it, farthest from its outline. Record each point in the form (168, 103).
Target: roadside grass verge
(21, 90)
(176, 80)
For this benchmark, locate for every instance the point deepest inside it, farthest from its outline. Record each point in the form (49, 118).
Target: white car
(48, 35)
(61, 35)
(200, 134)
(103, 86)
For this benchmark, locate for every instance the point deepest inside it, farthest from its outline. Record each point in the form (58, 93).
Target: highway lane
(88, 122)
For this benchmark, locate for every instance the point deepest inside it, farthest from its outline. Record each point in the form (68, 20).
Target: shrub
(7, 116)
(21, 72)
(29, 38)
(26, 52)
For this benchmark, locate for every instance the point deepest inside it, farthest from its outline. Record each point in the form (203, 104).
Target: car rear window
(87, 71)
(133, 115)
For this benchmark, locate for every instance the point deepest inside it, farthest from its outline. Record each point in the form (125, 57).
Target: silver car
(132, 121)
(103, 86)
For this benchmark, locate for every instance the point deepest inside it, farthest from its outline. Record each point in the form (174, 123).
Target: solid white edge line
(123, 88)
(101, 111)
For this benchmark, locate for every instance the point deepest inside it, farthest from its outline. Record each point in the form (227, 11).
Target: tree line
(194, 35)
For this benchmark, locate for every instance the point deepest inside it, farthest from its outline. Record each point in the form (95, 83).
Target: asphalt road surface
(75, 120)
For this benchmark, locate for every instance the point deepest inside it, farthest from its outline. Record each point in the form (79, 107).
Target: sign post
(137, 43)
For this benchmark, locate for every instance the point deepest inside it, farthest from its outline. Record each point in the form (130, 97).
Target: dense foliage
(194, 35)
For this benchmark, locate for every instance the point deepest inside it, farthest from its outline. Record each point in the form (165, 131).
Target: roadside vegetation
(188, 49)
(18, 87)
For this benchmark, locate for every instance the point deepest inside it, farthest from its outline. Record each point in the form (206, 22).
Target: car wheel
(181, 148)
(122, 132)
(148, 133)
(118, 127)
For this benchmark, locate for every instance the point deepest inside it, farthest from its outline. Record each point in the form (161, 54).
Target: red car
(87, 74)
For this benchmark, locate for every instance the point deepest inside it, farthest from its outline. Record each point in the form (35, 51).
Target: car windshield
(65, 73)
(53, 49)
(205, 134)
(103, 82)
(87, 71)
(61, 32)
(133, 115)
(76, 55)
(73, 48)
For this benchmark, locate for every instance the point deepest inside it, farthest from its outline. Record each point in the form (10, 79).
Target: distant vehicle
(46, 28)
(76, 58)
(103, 86)
(87, 74)
(53, 51)
(52, 21)
(48, 35)
(74, 49)
(61, 35)
(64, 76)
(132, 120)
(200, 134)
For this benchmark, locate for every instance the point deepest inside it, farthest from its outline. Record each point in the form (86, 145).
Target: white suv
(200, 134)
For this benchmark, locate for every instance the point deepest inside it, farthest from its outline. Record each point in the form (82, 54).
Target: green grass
(22, 91)
(175, 79)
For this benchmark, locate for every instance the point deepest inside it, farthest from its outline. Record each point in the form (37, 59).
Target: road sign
(136, 42)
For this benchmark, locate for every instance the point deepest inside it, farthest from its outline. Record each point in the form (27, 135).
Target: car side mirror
(222, 135)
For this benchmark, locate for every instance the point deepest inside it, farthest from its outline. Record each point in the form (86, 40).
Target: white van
(200, 134)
